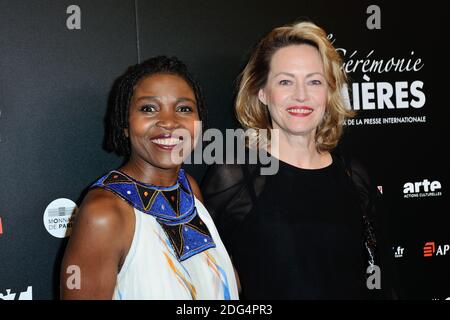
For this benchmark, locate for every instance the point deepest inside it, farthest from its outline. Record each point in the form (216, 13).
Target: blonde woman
(304, 232)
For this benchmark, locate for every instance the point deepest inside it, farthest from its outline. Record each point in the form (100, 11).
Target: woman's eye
(148, 108)
(284, 82)
(316, 82)
(185, 109)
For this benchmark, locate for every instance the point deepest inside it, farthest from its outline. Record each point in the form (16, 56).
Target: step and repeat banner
(59, 59)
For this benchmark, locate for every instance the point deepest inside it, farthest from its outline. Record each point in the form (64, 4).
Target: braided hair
(116, 119)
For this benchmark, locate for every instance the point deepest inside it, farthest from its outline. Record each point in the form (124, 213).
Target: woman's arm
(96, 247)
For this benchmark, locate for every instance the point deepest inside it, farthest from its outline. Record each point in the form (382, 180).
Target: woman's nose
(301, 92)
(167, 120)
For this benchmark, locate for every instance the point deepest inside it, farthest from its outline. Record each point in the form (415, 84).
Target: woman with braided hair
(142, 231)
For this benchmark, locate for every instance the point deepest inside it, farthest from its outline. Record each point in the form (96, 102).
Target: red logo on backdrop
(1, 226)
(429, 249)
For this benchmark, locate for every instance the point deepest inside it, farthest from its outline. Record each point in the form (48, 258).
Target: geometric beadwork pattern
(189, 238)
(173, 207)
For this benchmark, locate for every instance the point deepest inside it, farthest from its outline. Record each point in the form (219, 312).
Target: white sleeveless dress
(152, 271)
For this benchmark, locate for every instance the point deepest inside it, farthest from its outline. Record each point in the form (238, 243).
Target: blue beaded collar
(173, 207)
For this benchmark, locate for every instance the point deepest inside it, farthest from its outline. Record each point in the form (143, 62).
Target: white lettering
(374, 280)
(73, 22)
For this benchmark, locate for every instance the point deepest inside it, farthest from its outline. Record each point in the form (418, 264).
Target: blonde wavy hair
(252, 114)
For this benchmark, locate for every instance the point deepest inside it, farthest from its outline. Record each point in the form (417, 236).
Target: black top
(302, 237)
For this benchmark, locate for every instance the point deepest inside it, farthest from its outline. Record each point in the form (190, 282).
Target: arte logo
(59, 217)
(422, 189)
(430, 249)
(26, 295)
(398, 251)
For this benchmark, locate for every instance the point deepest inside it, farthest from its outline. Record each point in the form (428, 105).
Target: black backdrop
(54, 84)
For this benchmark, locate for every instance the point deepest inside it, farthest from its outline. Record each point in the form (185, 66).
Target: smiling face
(163, 116)
(296, 90)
